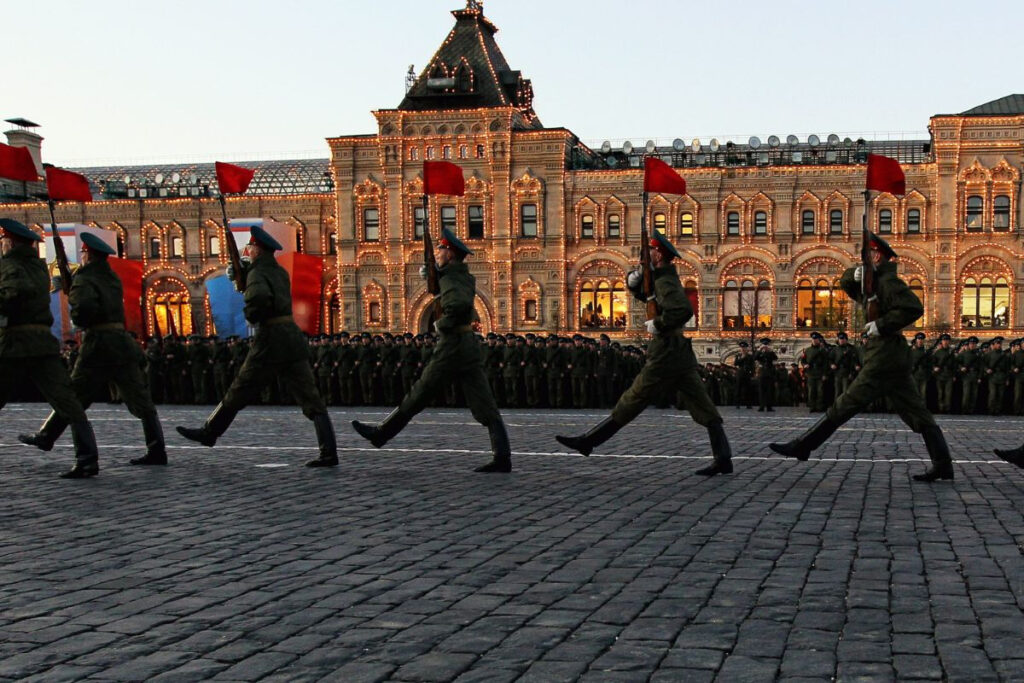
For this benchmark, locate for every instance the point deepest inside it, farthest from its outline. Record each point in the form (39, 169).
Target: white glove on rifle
(858, 273)
(633, 278)
(651, 329)
(423, 272)
(872, 329)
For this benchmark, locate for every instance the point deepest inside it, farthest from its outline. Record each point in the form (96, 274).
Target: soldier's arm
(259, 299)
(84, 302)
(849, 285)
(13, 283)
(901, 306)
(674, 305)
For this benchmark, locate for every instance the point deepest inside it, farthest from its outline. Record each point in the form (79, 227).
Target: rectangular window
(1001, 213)
(417, 222)
(732, 223)
(530, 309)
(587, 227)
(885, 221)
(479, 151)
(835, 222)
(374, 312)
(463, 152)
(448, 217)
(760, 223)
(686, 223)
(660, 222)
(975, 205)
(214, 246)
(528, 219)
(475, 213)
(614, 225)
(914, 220)
(807, 222)
(371, 225)
(177, 247)
(154, 248)
(332, 244)
(446, 152)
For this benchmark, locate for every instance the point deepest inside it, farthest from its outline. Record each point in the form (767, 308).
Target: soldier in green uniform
(109, 354)
(456, 358)
(510, 359)
(842, 361)
(532, 370)
(221, 368)
(997, 370)
(199, 359)
(278, 351)
(1017, 375)
(814, 360)
(765, 359)
(347, 355)
(28, 350)
(324, 364)
(943, 368)
(579, 371)
(408, 359)
(154, 369)
(494, 362)
(969, 367)
(553, 370)
(745, 366)
(782, 387)
(365, 365)
(670, 363)
(920, 364)
(886, 369)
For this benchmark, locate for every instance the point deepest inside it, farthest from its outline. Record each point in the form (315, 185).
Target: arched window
(659, 222)
(747, 306)
(1001, 213)
(975, 206)
(760, 223)
(917, 287)
(214, 246)
(835, 221)
(686, 223)
(431, 152)
(414, 153)
(807, 222)
(986, 302)
(821, 304)
(154, 247)
(614, 225)
(446, 152)
(693, 294)
(602, 304)
(913, 220)
(732, 223)
(885, 221)
(587, 227)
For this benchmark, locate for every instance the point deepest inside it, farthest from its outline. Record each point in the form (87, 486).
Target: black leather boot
(938, 451)
(87, 457)
(325, 439)
(218, 422)
(588, 441)
(1014, 456)
(501, 459)
(156, 451)
(47, 435)
(800, 448)
(381, 433)
(720, 449)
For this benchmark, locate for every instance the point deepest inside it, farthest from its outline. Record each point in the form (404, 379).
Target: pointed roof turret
(469, 71)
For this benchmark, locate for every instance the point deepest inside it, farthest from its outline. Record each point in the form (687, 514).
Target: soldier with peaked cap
(843, 360)
(943, 369)
(1017, 375)
(278, 351)
(109, 354)
(28, 350)
(997, 370)
(919, 363)
(765, 358)
(969, 367)
(671, 364)
(456, 358)
(886, 370)
(814, 360)
(745, 366)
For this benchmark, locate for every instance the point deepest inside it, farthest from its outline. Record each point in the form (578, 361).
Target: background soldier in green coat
(745, 366)
(920, 364)
(969, 369)
(997, 369)
(1017, 375)
(532, 357)
(671, 363)
(456, 357)
(765, 358)
(279, 350)
(109, 354)
(814, 360)
(580, 371)
(553, 369)
(843, 361)
(943, 367)
(886, 369)
(28, 350)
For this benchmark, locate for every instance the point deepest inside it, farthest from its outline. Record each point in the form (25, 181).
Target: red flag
(660, 177)
(885, 175)
(64, 185)
(233, 179)
(16, 163)
(443, 177)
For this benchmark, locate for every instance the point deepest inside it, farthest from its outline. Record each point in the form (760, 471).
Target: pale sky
(141, 81)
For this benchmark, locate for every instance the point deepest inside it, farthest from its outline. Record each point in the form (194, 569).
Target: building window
(746, 306)
(917, 287)
(177, 247)
(975, 205)
(430, 152)
(760, 223)
(835, 222)
(418, 215)
(603, 304)
(120, 246)
(614, 225)
(530, 310)
(475, 212)
(587, 227)
(1001, 213)
(214, 246)
(986, 303)
(914, 220)
(821, 305)
(414, 153)
(332, 244)
(371, 225)
(463, 151)
(807, 222)
(374, 311)
(448, 217)
(528, 219)
(446, 152)
(660, 222)
(693, 294)
(479, 151)
(686, 223)
(885, 221)
(732, 223)
(154, 247)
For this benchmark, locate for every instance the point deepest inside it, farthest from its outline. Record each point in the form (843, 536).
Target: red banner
(660, 177)
(16, 163)
(306, 273)
(443, 177)
(130, 273)
(885, 175)
(233, 179)
(69, 186)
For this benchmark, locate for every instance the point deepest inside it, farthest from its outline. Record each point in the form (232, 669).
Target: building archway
(168, 307)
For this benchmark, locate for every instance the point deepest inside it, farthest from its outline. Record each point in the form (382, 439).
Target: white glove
(872, 329)
(651, 329)
(858, 273)
(436, 328)
(230, 272)
(633, 278)
(423, 272)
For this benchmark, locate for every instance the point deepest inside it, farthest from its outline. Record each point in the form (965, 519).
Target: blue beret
(659, 240)
(94, 243)
(448, 239)
(18, 229)
(264, 239)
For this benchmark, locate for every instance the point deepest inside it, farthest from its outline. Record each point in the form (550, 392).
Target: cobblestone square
(238, 563)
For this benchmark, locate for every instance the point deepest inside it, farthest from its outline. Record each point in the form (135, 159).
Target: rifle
(645, 265)
(429, 261)
(61, 254)
(236, 258)
(872, 311)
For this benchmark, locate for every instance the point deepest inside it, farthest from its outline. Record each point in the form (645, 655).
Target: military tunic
(943, 367)
(814, 359)
(1017, 375)
(997, 369)
(969, 362)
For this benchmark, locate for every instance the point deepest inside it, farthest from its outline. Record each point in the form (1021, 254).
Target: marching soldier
(920, 364)
(969, 365)
(1017, 375)
(886, 369)
(455, 358)
(814, 360)
(943, 367)
(765, 358)
(28, 350)
(744, 363)
(109, 354)
(670, 363)
(278, 350)
(997, 370)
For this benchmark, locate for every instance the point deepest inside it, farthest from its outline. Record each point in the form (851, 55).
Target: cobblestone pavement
(238, 563)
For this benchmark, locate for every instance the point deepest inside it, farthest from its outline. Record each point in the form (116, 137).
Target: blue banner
(226, 305)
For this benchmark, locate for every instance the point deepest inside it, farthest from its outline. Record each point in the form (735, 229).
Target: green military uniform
(324, 363)
(155, 369)
(554, 363)
(532, 371)
(408, 360)
(745, 367)
(969, 366)
(765, 359)
(843, 360)
(920, 365)
(1017, 376)
(109, 355)
(943, 368)
(221, 369)
(347, 354)
(494, 361)
(365, 368)
(815, 360)
(580, 371)
(200, 359)
(606, 372)
(511, 357)
(997, 369)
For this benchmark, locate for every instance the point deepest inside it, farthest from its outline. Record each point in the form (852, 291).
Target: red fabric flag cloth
(233, 179)
(66, 186)
(16, 164)
(305, 272)
(660, 177)
(130, 274)
(885, 175)
(443, 177)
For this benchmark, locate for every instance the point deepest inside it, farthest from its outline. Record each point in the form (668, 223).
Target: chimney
(22, 135)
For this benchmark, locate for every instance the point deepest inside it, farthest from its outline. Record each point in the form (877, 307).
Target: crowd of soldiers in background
(538, 371)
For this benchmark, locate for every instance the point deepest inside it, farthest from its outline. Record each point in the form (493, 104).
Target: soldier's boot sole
(37, 440)
(802, 447)
(587, 442)
(938, 451)
(82, 471)
(1014, 456)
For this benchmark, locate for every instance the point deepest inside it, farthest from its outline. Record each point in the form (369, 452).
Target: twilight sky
(196, 80)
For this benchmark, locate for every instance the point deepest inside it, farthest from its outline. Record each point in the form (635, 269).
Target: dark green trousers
(456, 358)
(295, 377)
(896, 385)
(50, 377)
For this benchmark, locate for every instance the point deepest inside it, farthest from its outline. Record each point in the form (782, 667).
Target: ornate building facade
(765, 231)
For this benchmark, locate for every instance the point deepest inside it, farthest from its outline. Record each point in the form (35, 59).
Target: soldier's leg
(299, 383)
(89, 384)
(245, 389)
(130, 383)
(910, 406)
(1018, 397)
(51, 378)
(969, 397)
(995, 397)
